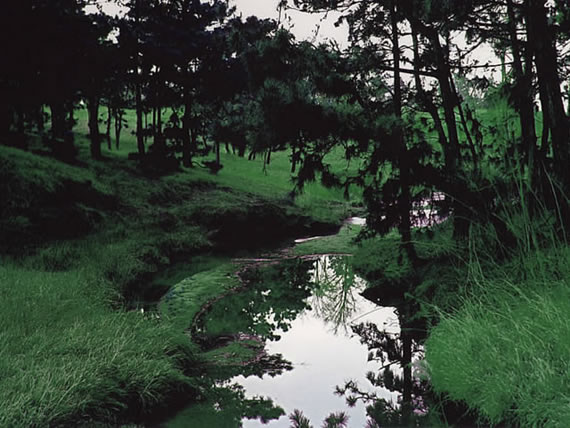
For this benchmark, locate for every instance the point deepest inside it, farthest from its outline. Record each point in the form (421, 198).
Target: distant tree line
(193, 72)
(200, 78)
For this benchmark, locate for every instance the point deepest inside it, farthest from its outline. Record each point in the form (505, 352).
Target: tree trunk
(40, 119)
(472, 147)
(218, 162)
(159, 140)
(452, 152)
(293, 159)
(118, 126)
(138, 89)
(404, 200)
(70, 118)
(187, 131)
(423, 98)
(154, 121)
(159, 121)
(242, 147)
(540, 38)
(405, 207)
(138, 102)
(145, 127)
(108, 130)
(93, 121)
(524, 93)
(453, 156)
(449, 102)
(568, 95)
(57, 120)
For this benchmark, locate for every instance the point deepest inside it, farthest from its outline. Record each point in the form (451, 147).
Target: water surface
(305, 311)
(323, 349)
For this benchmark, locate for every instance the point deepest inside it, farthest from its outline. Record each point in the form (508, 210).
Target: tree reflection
(274, 296)
(334, 299)
(277, 293)
(398, 353)
(225, 407)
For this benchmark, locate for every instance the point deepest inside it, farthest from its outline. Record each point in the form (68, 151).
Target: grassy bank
(67, 358)
(504, 348)
(498, 345)
(505, 353)
(86, 245)
(498, 340)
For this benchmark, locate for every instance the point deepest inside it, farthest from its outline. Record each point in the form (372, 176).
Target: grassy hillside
(85, 246)
(82, 248)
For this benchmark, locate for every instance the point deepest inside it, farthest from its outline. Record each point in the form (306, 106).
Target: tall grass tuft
(67, 358)
(505, 351)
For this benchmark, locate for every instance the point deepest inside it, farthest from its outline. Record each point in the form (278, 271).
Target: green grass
(187, 297)
(501, 343)
(506, 353)
(66, 356)
(275, 182)
(70, 350)
(174, 274)
(271, 181)
(504, 348)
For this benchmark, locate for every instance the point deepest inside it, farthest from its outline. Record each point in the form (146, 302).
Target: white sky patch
(305, 26)
(315, 27)
(108, 7)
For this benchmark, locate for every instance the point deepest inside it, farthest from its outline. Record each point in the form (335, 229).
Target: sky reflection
(323, 355)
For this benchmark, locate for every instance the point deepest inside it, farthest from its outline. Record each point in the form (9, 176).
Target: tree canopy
(406, 98)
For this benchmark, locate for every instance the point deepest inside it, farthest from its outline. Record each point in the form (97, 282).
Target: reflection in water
(323, 349)
(224, 407)
(274, 297)
(312, 313)
(334, 298)
(400, 355)
(401, 372)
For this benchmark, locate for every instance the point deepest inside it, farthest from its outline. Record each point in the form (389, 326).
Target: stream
(311, 318)
(323, 350)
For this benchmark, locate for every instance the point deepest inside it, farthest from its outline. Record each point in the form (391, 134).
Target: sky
(304, 25)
